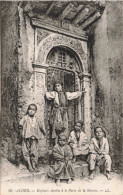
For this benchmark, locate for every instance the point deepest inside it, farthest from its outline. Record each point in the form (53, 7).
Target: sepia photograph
(61, 97)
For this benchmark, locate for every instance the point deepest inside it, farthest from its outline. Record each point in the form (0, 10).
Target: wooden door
(68, 82)
(62, 66)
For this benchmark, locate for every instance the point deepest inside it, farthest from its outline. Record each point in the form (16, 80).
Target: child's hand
(71, 144)
(84, 91)
(97, 157)
(101, 156)
(84, 143)
(99, 152)
(66, 158)
(20, 127)
(45, 136)
(33, 137)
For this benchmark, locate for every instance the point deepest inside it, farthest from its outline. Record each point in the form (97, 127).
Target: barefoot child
(99, 152)
(59, 111)
(78, 141)
(63, 168)
(31, 133)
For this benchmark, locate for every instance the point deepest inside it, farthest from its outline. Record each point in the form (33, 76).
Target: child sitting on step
(99, 152)
(78, 141)
(63, 168)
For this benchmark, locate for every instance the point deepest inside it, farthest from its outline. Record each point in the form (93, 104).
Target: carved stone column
(79, 106)
(86, 84)
(40, 77)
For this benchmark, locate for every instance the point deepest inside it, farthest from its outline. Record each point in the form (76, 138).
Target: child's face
(99, 133)
(32, 111)
(62, 141)
(58, 87)
(77, 127)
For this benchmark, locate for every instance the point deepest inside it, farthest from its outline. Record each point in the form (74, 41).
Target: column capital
(40, 67)
(83, 76)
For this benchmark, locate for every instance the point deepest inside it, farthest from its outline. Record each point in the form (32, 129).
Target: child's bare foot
(31, 169)
(74, 160)
(37, 170)
(69, 181)
(108, 175)
(34, 167)
(91, 176)
(58, 182)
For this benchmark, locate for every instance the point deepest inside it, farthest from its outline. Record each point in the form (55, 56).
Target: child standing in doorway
(99, 152)
(31, 130)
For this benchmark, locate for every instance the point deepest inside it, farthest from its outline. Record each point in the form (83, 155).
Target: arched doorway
(45, 55)
(64, 65)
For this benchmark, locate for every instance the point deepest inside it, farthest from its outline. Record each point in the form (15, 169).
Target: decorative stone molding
(39, 68)
(53, 40)
(60, 27)
(41, 34)
(83, 78)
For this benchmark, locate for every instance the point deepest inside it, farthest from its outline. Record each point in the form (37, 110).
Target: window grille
(62, 58)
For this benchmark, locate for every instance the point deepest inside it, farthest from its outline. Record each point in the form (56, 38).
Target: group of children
(66, 149)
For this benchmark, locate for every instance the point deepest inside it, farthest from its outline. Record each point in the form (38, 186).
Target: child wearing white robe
(78, 141)
(99, 152)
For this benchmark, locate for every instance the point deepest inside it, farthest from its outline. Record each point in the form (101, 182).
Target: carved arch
(54, 40)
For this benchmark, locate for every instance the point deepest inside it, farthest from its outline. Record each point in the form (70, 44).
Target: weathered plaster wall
(106, 54)
(27, 93)
(9, 61)
(25, 56)
(18, 79)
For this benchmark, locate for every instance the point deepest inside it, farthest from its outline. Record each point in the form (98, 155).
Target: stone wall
(106, 55)
(27, 77)
(9, 61)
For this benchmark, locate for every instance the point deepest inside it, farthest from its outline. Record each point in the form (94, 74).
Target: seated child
(31, 133)
(78, 141)
(99, 152)
(63, 168)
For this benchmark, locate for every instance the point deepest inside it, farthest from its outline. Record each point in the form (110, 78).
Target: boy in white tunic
(31, 130)
(78, 141)
(99, 152)
(59, 115)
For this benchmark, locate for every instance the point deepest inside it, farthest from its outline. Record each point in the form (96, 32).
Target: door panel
(63, 66)
(68, 82)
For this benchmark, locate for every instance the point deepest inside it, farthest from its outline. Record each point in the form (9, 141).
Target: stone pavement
(17, 179)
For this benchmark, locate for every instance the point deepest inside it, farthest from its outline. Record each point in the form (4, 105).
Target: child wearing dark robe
(63, 168)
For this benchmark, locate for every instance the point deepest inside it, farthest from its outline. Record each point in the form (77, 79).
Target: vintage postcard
(61, 97)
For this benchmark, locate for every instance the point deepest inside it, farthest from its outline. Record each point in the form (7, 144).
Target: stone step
(22, 174)
(81, 170)
(30, 177)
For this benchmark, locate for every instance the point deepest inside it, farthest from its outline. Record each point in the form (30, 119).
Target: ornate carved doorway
(64, 65)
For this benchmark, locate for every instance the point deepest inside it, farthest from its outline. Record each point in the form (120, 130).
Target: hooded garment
(63, 168)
